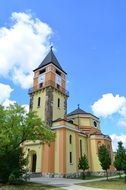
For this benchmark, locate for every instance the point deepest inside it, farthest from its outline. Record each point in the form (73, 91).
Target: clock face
(58, 79)
(41, 78)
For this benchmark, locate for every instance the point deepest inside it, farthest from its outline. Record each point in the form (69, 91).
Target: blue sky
(89, 39)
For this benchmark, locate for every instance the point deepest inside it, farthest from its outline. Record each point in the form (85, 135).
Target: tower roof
(80, 111)
(50, 58)
(77, 111)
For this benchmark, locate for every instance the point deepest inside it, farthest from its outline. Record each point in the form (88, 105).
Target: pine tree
(83, 164)
(120, 155)
(124, 167)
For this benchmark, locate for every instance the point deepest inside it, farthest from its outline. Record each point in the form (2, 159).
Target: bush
(12, 165)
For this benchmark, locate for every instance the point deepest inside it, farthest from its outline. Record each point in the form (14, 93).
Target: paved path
(64, 183)
(78, 187)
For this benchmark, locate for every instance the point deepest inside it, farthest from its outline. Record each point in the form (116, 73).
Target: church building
(77, 132)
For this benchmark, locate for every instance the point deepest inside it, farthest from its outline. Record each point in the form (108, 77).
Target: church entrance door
(34, 158)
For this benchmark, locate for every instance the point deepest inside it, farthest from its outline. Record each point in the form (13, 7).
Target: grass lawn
(28, 186)
(92, 177)
(111, 184)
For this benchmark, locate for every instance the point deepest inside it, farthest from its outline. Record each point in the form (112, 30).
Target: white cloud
(7, 102)
(5, 92)
(122, 112)
(5, 97)
(116, 138)
(26, 107)
(22, 47)
(108, 105)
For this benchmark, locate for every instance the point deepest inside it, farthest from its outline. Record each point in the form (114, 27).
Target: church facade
(77, 133)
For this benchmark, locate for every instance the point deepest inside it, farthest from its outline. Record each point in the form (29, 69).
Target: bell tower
(48, 96)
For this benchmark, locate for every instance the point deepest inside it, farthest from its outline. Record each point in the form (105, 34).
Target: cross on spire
(51, 46)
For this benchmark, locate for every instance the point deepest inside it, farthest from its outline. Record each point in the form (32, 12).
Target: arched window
(80, 148)
(58, 103)
(39, 101)
(95, 124)
(70, 139)
(70, 157)
(98, 144)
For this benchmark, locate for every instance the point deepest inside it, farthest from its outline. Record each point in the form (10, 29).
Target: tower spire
(50, 58)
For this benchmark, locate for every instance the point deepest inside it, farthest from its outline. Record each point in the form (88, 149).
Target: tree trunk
(120, 174)
(83, 174)
(125, 177)
(107, 175)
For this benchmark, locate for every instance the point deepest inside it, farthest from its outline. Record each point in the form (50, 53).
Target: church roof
(77, 111)
(80, 111)
(50, 58)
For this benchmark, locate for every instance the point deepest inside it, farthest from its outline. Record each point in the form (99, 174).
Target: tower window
(70, 157)
(70, 139)
(80, 148)
(39, 101)
(58, 72)
(58, 104)
(31, 103)
(40, 85)
(42, 71)
(58, 86)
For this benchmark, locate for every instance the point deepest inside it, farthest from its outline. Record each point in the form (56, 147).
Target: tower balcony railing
(47, 84)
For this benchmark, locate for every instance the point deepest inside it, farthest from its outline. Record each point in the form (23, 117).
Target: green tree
(83, 164)
(124, 166)
(120, 156)
(16, 127)
(104, 158)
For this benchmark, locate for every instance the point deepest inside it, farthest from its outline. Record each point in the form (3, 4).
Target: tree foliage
(83, 164)
(120, 156)
(104, 158)
(120, 159)
(124, 167)
(16, 127)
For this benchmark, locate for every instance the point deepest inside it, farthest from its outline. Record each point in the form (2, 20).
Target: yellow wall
(85, 122)
(58, 112)
(70, 167)
(64, 123)
(95, 161)
(95, 164)
(81, 121)
(57, 141)
(84, 145)
(40, 110)
(29, 150)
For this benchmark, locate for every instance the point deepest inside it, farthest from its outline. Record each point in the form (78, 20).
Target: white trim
(82, 135)
(67, 127)
(84, 115)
